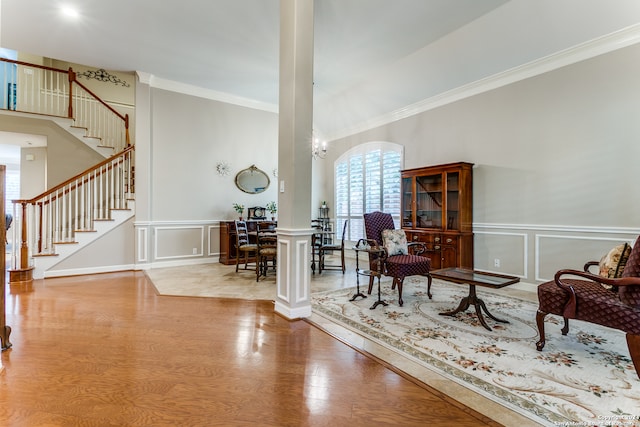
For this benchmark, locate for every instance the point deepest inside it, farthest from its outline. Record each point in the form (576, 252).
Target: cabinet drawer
(423, 237)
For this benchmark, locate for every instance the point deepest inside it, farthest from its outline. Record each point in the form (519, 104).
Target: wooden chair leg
(633, 342)
(540, 315)
(398, 281)
(370, 285)
(429, 280)
(565, 328)
(258, 272)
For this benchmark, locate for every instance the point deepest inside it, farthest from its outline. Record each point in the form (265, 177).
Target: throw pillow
(395, 242)
(612, 264)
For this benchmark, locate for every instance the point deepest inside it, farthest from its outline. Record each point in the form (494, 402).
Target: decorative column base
(21, 275)
(293, 284)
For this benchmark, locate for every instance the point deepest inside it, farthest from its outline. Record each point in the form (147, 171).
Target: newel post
(126, 130)
(72, 78)
(23, 273)
(24, 246)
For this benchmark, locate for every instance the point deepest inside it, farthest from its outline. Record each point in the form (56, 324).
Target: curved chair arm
(590, 264)
(570, 308)
(419, 247)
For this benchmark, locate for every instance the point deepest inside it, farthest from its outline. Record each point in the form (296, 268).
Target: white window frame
(354, 192)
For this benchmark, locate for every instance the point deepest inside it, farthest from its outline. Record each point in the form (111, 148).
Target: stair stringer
(81, 134)
(43, 264)
(66, 125)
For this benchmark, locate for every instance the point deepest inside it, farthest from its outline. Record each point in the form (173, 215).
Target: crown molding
(187, 89)
(599, 46)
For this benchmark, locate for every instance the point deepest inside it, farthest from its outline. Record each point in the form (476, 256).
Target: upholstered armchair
(400, 259)
(607, 299)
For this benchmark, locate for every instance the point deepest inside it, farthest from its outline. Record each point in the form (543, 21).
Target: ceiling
(372, 57)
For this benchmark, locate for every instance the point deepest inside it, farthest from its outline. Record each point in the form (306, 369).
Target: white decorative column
(294, 158)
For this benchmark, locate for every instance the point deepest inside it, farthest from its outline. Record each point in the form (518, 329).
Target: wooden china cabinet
(437, 210)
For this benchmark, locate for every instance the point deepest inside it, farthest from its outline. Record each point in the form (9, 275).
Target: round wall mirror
(252, 180)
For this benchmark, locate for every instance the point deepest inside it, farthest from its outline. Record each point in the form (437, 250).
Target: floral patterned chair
(400, 259)
(603, 300)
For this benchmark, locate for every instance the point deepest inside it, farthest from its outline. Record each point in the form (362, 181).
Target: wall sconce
(318, 149)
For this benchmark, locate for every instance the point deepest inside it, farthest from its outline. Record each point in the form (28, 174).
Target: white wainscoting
(175, 243)
(512, 249)
(535, 252)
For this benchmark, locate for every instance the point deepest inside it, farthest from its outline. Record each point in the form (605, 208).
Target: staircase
(68, 217)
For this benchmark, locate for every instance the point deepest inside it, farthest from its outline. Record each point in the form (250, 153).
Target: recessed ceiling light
(70, 12)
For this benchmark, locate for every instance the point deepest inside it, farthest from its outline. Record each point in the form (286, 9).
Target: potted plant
(238, 208)
(272, 208)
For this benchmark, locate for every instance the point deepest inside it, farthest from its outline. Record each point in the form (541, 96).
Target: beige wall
(66, 155)
(180, 195)
(190, 136)
(114, 251)
(554, 157)
(118, 90)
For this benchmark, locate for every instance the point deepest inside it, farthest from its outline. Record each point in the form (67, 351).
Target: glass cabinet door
(453, 204)
(407, 202)
(429, 201)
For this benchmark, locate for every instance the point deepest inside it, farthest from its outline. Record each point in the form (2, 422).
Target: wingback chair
(397, 262)
(612, 302)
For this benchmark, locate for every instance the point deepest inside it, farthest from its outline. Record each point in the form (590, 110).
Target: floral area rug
(583, 378)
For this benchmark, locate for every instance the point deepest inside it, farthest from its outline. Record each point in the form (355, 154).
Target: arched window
(367, 178)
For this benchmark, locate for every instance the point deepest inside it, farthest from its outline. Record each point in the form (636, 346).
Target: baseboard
(88, 270)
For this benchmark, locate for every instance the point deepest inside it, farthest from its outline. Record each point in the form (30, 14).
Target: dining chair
(244, 248)
(323, 249)
(267, 240)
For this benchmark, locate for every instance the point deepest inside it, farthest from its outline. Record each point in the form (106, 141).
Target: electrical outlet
(496, 262)
(195, 251)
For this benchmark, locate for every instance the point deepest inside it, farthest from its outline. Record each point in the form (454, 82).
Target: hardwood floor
(107, 350)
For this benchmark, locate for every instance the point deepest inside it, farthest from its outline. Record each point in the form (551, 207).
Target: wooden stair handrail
(75, 177)
(76, 81)
(50, 195)
(72, 78)
(27, 64)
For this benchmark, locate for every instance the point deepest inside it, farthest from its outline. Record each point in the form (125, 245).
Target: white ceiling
(372, 57)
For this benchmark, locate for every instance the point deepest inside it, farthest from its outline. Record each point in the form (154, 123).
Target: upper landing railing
(37, 89)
